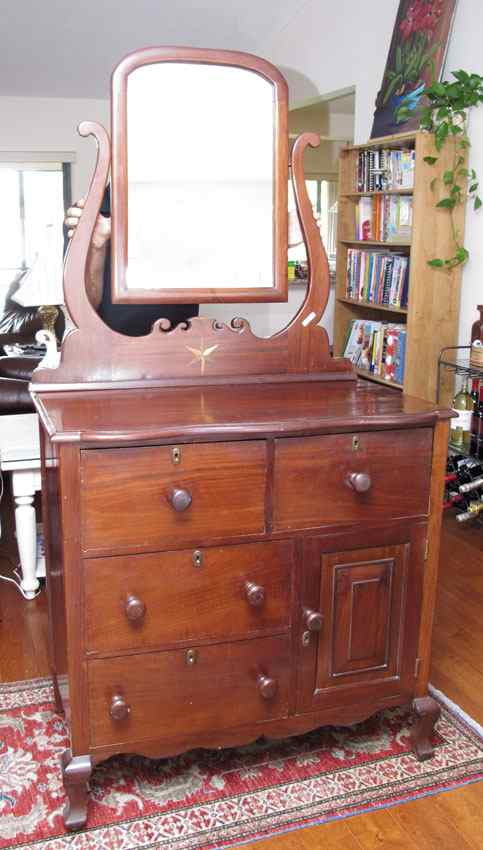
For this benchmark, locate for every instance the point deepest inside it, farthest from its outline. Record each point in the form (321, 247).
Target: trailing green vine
(446, 117)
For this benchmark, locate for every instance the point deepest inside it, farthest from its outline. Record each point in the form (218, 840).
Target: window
(33, 195)
(323, 196)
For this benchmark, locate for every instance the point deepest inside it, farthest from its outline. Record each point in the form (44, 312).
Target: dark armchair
(18, 326)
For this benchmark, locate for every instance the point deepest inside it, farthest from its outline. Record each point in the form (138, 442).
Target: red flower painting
(421, 17)
(415, 59)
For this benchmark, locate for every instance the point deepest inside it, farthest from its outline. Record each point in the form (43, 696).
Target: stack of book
(377, 277)
(378, 348)
(385, 218)
(382, 169)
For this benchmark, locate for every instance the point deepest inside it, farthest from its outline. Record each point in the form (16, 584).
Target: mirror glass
(200, 170)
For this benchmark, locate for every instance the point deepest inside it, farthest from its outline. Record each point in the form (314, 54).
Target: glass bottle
(477, 327)
(474, 417)
(460, 433)
(479, 421)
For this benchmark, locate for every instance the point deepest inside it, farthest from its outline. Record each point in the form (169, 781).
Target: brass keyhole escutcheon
(191, 657)
(197, 558)
(176, 455)
(355, 443)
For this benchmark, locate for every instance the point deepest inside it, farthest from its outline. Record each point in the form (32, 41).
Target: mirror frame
(119, 180)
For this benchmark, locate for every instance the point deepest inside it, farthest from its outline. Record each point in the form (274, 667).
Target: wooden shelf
(431, 316)
(399, 140)
(379, 192)
(376, 242)
(377, 380)
(402, 310)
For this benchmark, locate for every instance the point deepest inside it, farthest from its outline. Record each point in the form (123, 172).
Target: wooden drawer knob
(313, 620)
(255, 594)
(359, 481)
(135, 609)
(267, 686)
(180, 499)
(119, 709)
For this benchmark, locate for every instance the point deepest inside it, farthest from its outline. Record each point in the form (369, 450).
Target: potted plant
(446, 117)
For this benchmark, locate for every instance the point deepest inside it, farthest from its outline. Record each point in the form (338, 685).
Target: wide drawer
(187, 595)
(186, 692)
(345, 477)
(161, 497)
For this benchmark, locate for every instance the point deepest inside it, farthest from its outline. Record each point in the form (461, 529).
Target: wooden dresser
(236, 550)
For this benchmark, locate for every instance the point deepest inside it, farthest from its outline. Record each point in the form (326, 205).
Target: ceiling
(68, 48)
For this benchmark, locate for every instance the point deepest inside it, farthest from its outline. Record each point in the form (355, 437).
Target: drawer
(150, 498)
(188, 595)
(186, 692)
(320, 480)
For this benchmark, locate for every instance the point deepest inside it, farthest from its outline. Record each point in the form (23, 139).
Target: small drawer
(149, 600)
(162, 497)
(346, 478)
(189, 691)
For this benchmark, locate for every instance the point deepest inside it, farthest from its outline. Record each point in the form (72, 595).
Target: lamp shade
(43, 282)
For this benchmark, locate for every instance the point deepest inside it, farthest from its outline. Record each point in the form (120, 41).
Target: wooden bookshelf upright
(434, 295)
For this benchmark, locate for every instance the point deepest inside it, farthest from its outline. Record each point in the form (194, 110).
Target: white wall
(50, 124)
(328, 48)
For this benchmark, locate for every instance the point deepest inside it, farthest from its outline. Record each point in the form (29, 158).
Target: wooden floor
(449, 821)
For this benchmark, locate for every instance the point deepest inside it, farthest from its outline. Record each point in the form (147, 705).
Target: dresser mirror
(199, 176)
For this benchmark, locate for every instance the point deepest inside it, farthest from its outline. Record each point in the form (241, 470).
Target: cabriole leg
(76, 771)
(427, 713)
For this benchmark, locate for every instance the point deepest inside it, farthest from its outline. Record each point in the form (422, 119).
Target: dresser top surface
(229, 411)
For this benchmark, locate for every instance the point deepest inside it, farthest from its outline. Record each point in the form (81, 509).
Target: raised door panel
(160, 497)
(342, 478)
(369, 599)
(365, 596)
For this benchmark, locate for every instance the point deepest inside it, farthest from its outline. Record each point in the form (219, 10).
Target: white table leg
(24, 484)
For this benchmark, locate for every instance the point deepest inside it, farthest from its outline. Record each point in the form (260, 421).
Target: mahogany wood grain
(370, 598)
(120, 176)
(440, 451)
(307, 339)
(126, 495)
(185, 602)
(161, 747)
(312, 477)
(184, 414)
(73, 684)
(427, 712)
(218, 691)
(455, 818)
(76, 771)
(54, 569)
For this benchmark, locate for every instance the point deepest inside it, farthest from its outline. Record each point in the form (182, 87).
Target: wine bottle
(475, 387)
(460, 433)
(478, 427)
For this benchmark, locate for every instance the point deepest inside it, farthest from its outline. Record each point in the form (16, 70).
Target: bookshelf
(432, 312)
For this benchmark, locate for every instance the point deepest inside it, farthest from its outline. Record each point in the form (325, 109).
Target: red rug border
(458, 716)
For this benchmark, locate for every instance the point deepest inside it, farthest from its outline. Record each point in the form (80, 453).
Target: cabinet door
(360, 616)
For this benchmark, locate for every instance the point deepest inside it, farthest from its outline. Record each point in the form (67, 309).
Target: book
(377, 277)
(364, 219)
(378, 348)
(384, 218)
(380, 169)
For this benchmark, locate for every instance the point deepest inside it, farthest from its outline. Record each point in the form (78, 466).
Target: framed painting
(416, 57)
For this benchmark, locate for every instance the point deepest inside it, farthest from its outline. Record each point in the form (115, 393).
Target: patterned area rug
(207, 799)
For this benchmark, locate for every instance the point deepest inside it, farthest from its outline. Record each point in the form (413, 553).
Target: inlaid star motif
(201, 355)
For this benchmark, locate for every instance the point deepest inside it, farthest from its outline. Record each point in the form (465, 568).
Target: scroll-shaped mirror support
(308, 342)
